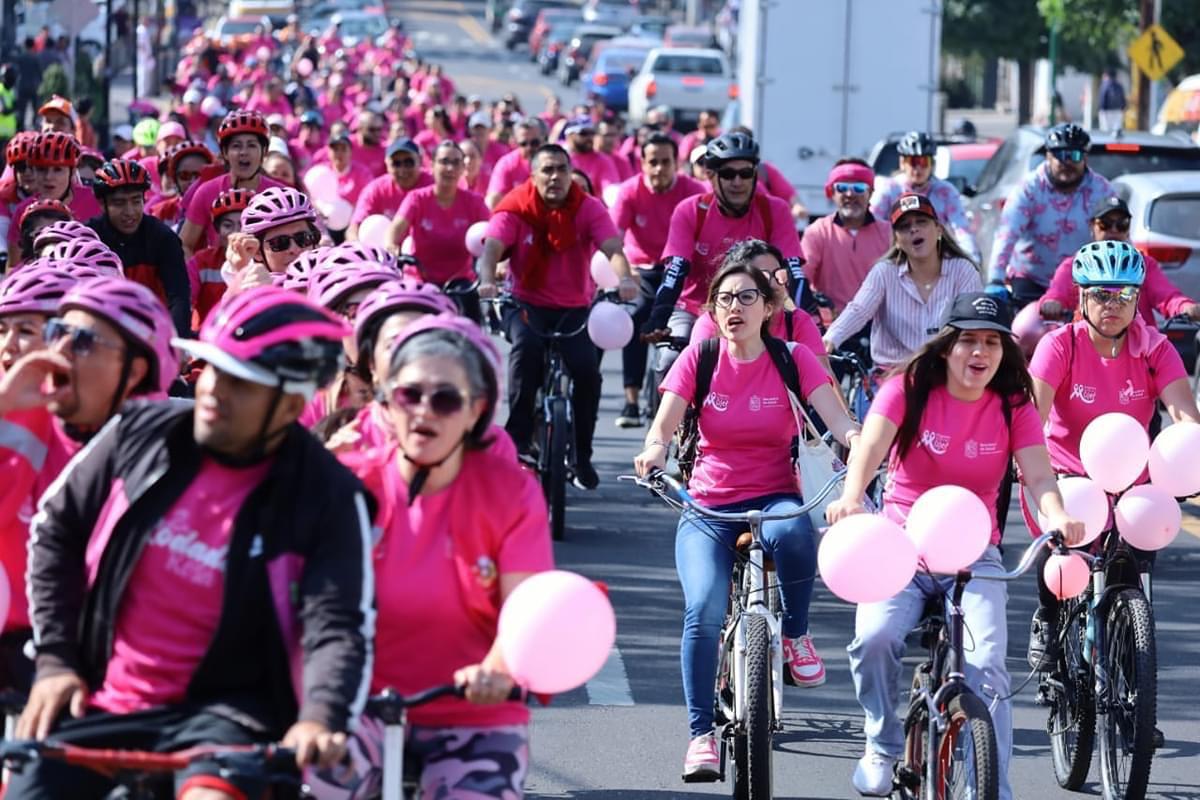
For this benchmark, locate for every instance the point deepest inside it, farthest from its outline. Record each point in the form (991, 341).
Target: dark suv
(519, 19)
(1110, 155)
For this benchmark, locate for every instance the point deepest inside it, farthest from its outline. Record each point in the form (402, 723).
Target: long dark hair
(927, 370)
(761, 282)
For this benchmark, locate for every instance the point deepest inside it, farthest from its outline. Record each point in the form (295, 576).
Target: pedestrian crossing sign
(1155, 52)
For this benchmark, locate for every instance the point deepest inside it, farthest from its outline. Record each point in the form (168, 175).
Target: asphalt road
(624, 735)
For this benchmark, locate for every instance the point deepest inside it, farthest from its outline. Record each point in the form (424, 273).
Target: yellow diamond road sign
(1155, 52)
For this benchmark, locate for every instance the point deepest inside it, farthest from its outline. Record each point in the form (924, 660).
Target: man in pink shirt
(608, 137)
(353, 177)
(368, 146)
(513, 169)
(479, 129)
(643, 212)
(707, 129)
(384, 194)
(599, 168)
(549, 228)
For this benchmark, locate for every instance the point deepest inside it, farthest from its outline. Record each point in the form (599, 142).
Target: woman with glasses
(746, 427)
(277, 225)
(906, 294)
(384, 194)
(462, 525)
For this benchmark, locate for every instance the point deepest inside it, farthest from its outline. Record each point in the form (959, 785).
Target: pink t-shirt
(706, 248)
(568, 282)
(372, 156)
(746, 423)
(804, 331)
(837, 259)
(774, 182)
(353, 181)
(645, 216)
(384, 196)
(419, 594)
(1087, 385)
(494, 152)
(83, 206)
(598, 167)
(199, 199)
(510, 172)
(173, 602)
(439, 234)
(961, 443)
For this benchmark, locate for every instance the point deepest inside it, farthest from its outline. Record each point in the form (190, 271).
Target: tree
(1010, 29)
(54, 81)
(1092, 33)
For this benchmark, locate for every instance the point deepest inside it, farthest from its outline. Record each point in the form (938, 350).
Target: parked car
(521, 15)
(689, 80)
(552, 45)
(609, 73)
(578, 50)
(650, 27)
(548, 19)
(689, 36)
(277, 10)
(611, 12)
(231, 31)
(1110, 155)
(960, 164)
(1166, 222)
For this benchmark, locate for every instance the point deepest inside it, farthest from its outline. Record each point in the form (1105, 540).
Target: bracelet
(653, 442)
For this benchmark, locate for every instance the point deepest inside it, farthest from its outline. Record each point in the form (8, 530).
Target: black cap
(1108, 204)
(977, 311)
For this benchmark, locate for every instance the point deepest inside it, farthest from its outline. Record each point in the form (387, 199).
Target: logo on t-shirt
(485, 571)
(640, 220)
(717, 401)
(937, 443)
(702, 248)
(1129, 393)
(187, 556)
(974, 449)
(1086, 394)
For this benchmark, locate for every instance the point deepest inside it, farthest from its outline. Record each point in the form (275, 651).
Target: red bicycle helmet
(20, 147)
(44, 206)
(55, 149)
(120, 174)
(251, 122)
(231, 201)
(170, 160)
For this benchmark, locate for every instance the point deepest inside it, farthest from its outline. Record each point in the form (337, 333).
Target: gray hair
(481, 378)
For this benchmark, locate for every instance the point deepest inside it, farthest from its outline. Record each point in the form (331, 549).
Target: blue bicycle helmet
(1108, 264)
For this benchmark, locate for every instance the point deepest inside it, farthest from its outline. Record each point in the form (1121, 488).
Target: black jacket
(153, 256)
(298, 579)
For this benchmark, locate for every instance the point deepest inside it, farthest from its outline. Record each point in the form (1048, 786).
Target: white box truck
(823, 79)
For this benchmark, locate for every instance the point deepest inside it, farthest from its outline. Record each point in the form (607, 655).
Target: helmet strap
(1116, 340)
(421, 476)
(119, 394)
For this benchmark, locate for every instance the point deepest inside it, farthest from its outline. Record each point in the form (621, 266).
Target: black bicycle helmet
(916, 143)
(1067, 136)
(731, 147)
(964, 127)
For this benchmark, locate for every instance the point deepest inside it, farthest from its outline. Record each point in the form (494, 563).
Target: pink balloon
(609, 326)
(1173, 462)
(1066, 575)
(556, 630)
(338, 214)
(866, 558)
(1148, 517)
(374, 230)
(602, 271)
(5, 595)
(476, 235)
(1029, 327)
(950, 527)
(304, 68)
(1085, 501)
(322, 183)
(1114, 448)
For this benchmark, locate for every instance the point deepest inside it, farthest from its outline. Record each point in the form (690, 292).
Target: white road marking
(610, 687)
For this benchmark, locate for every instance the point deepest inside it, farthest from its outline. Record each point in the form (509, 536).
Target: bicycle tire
(1130, 648)
(554, 475)
(911, 769)
(752, 754)
(970, 725)
(1071, 723)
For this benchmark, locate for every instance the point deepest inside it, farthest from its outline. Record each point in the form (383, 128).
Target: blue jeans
(704, 553)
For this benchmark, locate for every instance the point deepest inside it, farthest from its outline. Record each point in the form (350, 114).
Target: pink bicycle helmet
(353, 254)
(138, 313)
(400, 295)
(92, 252)
(270, 336)
(276, 206)
(62, 231)
(34, 290)
(329, 288)
(297, 274)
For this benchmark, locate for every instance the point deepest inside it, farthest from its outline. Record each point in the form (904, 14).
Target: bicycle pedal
(907, 778)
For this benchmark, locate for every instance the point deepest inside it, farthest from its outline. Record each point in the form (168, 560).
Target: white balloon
(1174, 465)
(609, 326)
(603, 273)
(476, 234)
(610, 194)
(339, 214)
(1114, 448)
(374, 230)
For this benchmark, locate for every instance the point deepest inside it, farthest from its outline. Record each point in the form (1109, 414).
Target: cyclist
(959, 411)
(57, 233)
(384, 194)
(85, 250)
(513, 168)
(550, 228)
(180, 167)
(353, 177)
(277, 225)
(22, 182)
(54, 159)
(437, 218)
(204, 269)
(1108, 361)
(32, 218)
(746, 426)
(917, 150)
(579, 133)
(1046, 216)
(906, 295)
(704, 227)
(840, 249)
(174, 501)
(149, 250)
(441, 485)
(642, 210)
(243, 140)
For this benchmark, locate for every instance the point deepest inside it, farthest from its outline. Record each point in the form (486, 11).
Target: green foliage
(1183, 23)
(994, 29)
(86, 85)
(54, 81)
(1092, 33)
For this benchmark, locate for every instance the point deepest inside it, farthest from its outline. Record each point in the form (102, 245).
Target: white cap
(276, 119)
(193, 96)
(123, 132)
(278, 145)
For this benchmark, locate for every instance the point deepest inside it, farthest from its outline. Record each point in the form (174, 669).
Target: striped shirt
(901, 320)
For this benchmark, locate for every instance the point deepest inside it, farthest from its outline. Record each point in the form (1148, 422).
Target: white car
(354, 26)
(1166, 222)
(688, 79)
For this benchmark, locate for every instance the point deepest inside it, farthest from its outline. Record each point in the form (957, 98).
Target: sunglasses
(442, 401)
(1073, 156)
(304, 240)
(919, 161)
(857, 187)
(746, 297)
(1120, 225)
(83, 340)
(1123, 296)
(403, 163)
(530, 143)
(729, 173)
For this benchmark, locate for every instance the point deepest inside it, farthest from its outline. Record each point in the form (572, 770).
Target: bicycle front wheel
(1072, 720)
(1127, 720)
(752, 750)
(968, 763)
(554, 473)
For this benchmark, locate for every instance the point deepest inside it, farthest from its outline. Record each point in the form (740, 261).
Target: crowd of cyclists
(235, 422)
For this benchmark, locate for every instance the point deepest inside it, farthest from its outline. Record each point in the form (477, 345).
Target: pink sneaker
(702, 764)
(806, 667)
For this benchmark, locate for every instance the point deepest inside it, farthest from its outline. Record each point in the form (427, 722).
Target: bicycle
(949, 741)
(465, 294)
(1104, 679)
(860, 388)
(750, 673)
(653, 379)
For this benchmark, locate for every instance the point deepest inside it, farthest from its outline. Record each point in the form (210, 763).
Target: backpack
(688, 435)
(760, 200)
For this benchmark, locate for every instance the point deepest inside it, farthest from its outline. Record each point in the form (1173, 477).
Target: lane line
(610, 687)
(471, 26)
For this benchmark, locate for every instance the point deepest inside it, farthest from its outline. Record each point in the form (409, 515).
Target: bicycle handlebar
(266, 759)
(389, 706)
(674, 492)
(508, 298)
(1028, 557)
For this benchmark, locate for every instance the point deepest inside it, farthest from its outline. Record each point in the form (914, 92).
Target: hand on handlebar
(843, 507)
(488, 291)
(47, 699)
(654, 337)
(1072, 530)
(315, 744)
(652, 458)
(628, 290)
(483, 684)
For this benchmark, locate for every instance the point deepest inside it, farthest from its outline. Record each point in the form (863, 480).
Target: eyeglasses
(403, 163)
(729, 173)
(304, 240)
(449, 162)
(442, 401)
(1102, 296)
(1073, 156)
(919, 161)
(746, 297)
(83, 340)
(1119, 225)
(530, 143)
(857, 187)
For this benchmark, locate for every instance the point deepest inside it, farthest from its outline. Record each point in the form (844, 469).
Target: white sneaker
(873, 775)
